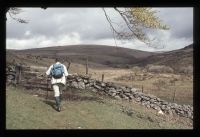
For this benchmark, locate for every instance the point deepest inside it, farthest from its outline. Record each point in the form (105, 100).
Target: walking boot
(58, 108)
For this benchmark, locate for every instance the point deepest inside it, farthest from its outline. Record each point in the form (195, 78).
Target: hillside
(175, 59)
(102, 56)
(98, 55)
(82, 110)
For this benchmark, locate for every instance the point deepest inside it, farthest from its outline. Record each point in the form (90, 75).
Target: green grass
(88, 111)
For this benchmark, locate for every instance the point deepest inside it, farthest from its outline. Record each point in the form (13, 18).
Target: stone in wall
(74, 84)
(81, 85)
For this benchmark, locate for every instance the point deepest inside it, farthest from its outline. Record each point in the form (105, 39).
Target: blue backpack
(57, 71)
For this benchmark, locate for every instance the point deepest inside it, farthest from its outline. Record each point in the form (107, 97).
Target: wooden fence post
(87, 65)
(142, 89)
(174, 95)
(69, 63)
(131, 79)
(102, 78)
(20, 73)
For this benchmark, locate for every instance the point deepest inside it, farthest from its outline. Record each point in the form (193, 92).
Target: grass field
(82, 110)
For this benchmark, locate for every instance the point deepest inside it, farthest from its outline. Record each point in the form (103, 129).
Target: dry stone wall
(128, 93)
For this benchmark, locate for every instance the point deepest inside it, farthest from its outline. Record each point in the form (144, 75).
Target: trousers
(57, 88)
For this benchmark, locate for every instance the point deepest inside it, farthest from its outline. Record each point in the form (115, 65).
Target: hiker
(58, 72)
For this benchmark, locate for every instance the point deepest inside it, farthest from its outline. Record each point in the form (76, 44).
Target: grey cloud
(180, 21)
(89, 23)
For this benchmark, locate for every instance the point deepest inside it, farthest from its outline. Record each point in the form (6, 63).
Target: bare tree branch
(136, 20)
(13, 12)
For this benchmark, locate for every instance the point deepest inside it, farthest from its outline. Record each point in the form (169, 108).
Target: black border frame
(99, 3)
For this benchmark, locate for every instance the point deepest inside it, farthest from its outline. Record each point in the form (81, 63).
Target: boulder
(126, 98)
(138, 99)
(103, 84)
(113, 94)
(112, 90)
(133, 90)
(85, 81)
(145, 98)
(127, 94)
(97, 87)
(117, 97)
(79, 79)
(94, 90)
(74, 84)
(81, 85)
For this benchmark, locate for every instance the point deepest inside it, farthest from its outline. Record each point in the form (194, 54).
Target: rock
(119, 90)
(143, 103)
(127, 90)
(91, 84)
(87, 85)
(81, 85)
(133, 90)
(152, 100)
(123, 88)
(97, 87)
(158, 99)
(167, 108)
(94, 90)
(85, 81)
(126, 98)
(136, 95)
(145, 98)
(170, 112)
(191, 108)
(74, 84)
(148, 102)
(113, 94)
(79, 79)
(181, 113)
(70, 76)
(117, 97)
(127, 94)
(131, 97)
(121, 95)
(130, 112)
(160, 112)
(109, 93)
(109, 84)
(156, 107)
(103, 84)
(90, 87)
(86, 77)
(163, 107)
(112, 90)
(138, 99)
(164, 103)
(148, 106)
(151, 105)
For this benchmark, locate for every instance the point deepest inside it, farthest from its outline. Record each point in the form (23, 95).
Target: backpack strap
(52, 69)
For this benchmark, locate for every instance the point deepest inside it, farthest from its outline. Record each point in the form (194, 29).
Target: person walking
(58, 72)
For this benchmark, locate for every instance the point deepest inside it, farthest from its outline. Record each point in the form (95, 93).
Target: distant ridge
(114, 56)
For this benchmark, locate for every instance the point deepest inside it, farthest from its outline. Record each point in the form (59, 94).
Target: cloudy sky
(71, 26)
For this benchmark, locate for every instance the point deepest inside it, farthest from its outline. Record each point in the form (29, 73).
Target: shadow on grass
(50, 103)
(70, 96)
